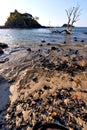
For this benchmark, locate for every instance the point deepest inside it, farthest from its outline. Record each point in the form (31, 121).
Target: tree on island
(73, 16)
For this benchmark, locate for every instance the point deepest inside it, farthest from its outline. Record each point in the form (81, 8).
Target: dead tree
(73, 16)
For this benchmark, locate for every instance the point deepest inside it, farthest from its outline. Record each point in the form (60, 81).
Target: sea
(26, 36)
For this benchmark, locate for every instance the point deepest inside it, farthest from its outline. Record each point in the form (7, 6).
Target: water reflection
(13, 36)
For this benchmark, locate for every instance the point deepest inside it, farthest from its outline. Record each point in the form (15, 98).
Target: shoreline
(36, 75)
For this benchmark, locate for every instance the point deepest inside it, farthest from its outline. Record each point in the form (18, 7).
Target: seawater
(13, 36)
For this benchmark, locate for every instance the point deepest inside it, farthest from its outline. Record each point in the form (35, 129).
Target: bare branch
(69, 13)
(76, 14)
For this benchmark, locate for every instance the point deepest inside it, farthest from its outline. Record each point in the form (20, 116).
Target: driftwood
(66, 31)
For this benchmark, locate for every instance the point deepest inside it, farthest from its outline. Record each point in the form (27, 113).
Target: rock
(4, 60)
(3, 45)
(1, 51)
(75, 39)
(48, 44)
(35, 80)
(53, 48)
(29, 49)
(47, 87)
(64, 41)
(82, 40)
(43, 41)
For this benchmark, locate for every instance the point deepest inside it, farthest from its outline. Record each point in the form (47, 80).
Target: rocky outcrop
(18, 20)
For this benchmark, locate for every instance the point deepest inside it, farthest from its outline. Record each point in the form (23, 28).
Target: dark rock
(43, 41)
(53, 48)
(64, 41)
(48, 44)
(35, 79)
(82, 40)
(72, 51)
(46, 87)
(3, 45)
(75, 39)
(76, 51)
(29, 49)
(40, 55)
(40, 92)
(1, 51)
(11, 80)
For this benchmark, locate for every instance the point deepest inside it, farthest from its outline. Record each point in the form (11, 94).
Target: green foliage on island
(18, 20)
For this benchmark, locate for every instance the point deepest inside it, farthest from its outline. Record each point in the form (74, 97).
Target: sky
(49, 11)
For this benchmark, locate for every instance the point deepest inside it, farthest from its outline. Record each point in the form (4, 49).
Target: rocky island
(19, 20)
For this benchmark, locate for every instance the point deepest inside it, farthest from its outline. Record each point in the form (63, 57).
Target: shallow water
(12, 36)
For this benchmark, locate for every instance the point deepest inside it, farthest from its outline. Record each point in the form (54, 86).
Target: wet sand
(48, 83)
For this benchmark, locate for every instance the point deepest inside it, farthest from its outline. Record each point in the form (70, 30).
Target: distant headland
(19, 20)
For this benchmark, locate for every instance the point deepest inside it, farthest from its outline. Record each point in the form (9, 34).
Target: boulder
(3, 45)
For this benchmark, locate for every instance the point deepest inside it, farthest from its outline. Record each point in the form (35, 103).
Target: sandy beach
(44, 82)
